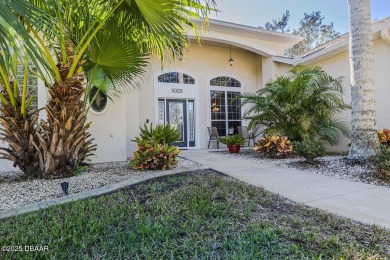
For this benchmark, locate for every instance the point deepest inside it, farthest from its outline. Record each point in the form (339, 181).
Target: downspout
(385, 35)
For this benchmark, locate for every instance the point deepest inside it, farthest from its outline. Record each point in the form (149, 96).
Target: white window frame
(225, 89)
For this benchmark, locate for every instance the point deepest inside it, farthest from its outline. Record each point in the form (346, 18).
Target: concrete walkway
(365, 203)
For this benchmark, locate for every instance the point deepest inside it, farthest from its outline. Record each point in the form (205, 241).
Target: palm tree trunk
(63, 140)
(19, 132)
(363, 134)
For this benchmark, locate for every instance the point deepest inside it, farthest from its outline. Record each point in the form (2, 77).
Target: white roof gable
(257, 40)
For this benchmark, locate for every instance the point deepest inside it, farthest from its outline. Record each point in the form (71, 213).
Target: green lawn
(196, 215)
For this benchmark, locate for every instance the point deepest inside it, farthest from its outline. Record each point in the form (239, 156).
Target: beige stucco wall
(272, 69)
(339, 66)
(109, 130)
(283, 68)
(202, 63)
(206, 62)
(114, 129)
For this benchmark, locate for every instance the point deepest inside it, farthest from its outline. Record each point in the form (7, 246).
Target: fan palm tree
(106, 43)
(364, 139)
(301, 105)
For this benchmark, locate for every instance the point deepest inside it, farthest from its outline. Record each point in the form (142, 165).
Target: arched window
(225, 82)
(224, 106)
(176, 77)
(98, 100)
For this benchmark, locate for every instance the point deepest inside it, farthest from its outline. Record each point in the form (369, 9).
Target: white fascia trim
(382, 29)
(385, 35)
(321, 52)
(242, 44)
(285, 60)
(254, 29)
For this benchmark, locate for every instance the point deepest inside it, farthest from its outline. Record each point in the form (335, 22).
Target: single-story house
(196, 91)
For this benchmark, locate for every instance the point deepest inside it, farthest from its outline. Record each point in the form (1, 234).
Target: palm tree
(15, 37)
(17, 117)
(363, 135)
(106, 43)
(18, 54)
(300, 105)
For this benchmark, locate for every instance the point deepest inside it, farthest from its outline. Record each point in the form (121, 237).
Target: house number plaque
(177, 90)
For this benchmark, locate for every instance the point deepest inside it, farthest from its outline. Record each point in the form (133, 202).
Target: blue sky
(258, 12)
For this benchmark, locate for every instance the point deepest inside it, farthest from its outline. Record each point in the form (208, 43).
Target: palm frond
(114, 62)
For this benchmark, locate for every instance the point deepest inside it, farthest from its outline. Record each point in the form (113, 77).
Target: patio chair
(213, 135)
(245, 134)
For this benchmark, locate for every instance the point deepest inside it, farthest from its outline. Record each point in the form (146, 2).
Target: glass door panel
(191, 123)
(177, 118)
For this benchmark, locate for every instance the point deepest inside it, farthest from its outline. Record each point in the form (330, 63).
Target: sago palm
(303, 104)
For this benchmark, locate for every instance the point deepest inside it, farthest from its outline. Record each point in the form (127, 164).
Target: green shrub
(381, 160)
(161, 134)
(309, 149)
(154, 152)
(274, 146)
(232, 139)
(153, 156)
(302, 104)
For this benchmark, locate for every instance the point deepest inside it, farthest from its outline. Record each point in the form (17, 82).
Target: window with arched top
(225, 82)
(225, 106)
(176, 77)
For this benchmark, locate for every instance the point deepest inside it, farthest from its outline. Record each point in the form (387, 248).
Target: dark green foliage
(161, 134)
(232, 139)
(279, 25)
(153, 156)
(309, 149)
(300, 105)
(202, 215)
(381, 160)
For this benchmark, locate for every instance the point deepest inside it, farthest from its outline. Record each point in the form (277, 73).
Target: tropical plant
(274, 146)
(381, 160)
(153, 148)
(161, 134)
(232, 140)
(93, 46)
(153, 156)
(18, 118)
(309, 149)
(301, 105)
(364, 139)
(15, 37)
(384, 136)
(19, 60)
